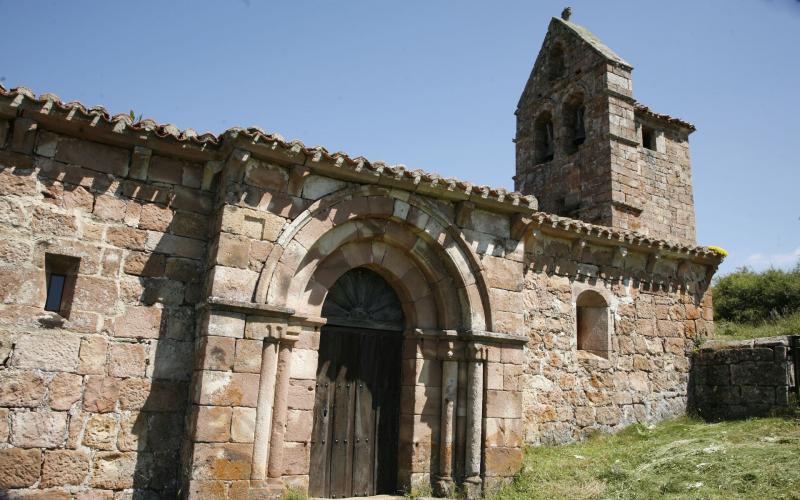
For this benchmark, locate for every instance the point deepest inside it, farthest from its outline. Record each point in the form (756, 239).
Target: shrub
(746, 296)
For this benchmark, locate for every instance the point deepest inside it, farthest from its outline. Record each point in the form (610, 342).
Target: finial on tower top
(566, 13)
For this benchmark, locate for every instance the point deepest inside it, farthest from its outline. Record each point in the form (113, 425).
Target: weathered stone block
(503, 461)
(227, 389)
(304, 364)
(19, 468)
(298, 425)
(65, 390)
(503, 404)
(94, 156)
(296, 458)
(100, 394)
(248, 356)
(223, 461)
(243, 425)
(113, 470)
(20, 388)
(101, 431)
(138, 322)
(126, 360)
(92, 355)
(213, 424)
(39, 429)
(216, 353)
(132, 434)
(64, 467)
(301, 395)
(47, 351)
(232, 283)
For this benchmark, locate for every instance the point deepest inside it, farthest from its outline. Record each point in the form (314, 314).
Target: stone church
(229, 316)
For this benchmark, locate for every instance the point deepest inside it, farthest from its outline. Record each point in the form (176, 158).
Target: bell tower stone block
(588, 150)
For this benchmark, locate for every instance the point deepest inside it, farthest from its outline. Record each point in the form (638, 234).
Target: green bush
(746, 296)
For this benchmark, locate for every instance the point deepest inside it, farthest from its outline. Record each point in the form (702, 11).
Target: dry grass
(783, 325)
(683, 458)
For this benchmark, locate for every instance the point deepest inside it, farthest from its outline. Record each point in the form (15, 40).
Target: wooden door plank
(364, 446)
(327, 367)
(388, 413)
(341, 482)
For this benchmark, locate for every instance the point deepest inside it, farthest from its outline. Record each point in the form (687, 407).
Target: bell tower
(587, 150)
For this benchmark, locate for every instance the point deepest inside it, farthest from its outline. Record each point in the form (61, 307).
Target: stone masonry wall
(94, 404)
(656, 317)
(731, 380)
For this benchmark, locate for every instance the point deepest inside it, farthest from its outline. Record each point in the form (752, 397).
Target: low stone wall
(739, 379)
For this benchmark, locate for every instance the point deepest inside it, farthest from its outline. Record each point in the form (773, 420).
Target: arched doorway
(354, 439)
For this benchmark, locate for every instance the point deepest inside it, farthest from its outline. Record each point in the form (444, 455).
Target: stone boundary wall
(731, 380)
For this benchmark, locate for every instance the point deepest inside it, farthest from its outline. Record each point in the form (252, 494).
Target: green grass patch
(683, 458)
(782, 325)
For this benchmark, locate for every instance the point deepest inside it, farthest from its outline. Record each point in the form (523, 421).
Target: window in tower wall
(649, 138)
(544, 141)
(60, 275)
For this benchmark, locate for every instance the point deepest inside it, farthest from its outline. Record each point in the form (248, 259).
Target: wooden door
(356, 411)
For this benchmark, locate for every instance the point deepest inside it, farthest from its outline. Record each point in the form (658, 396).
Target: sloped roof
(644, 110)
(21, 98)
(594, 42)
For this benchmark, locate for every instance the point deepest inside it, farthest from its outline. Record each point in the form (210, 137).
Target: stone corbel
(464, 211)
(519, 226)
(210, 169)
(233, 170)
(297, 177)
(268, 327)
(140, 163)
(652, 260)
(620, 253)
(578, 246)
(24, 136)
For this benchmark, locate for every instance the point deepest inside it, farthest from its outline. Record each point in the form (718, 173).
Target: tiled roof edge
(515, 201)
(641, 108)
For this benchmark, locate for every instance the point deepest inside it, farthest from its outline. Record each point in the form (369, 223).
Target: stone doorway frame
(449, 355)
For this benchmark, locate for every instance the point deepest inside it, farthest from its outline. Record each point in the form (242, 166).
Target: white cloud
(759, 261)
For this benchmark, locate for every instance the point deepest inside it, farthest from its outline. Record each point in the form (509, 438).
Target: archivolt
(396, 233)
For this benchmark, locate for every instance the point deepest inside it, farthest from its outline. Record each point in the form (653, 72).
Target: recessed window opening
(592, 316)
(649, 138)
(543, 140)
(60, 275)
(555, 63)
(574, 128)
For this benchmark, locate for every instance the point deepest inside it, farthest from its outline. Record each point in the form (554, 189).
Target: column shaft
(449, 395)
(279, 412)
(266, 397)
(472, 467)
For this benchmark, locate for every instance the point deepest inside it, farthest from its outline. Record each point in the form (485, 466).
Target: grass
(683, 458)
(783, 325)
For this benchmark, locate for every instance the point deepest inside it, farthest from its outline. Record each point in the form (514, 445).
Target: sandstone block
(138, 321)
(113, 470)
(101, 431)
(95, 294)
(190, 225)
(109, 208)
(100, 394)
(170, 359)
(64, 467)
(178, 246)
(47, 351)
(224, 461)
(304, 364)
(504, 432)
(248, 356)
(145, 264)
(20, 388)
(503, 404)
(4, 425)
(503, 461)
(232, 283)
(296, 458)
(216, 353)
(39, 429)
(155, 217)
(126, 360)
(65, 389)
(51, 223)
(225, 324)
(233, 251)
(126, 237)
(298, 425)
(132, 434)
(301, 395)
(92, 356)
(243, 425)
(213, 424)
(228, 389)
(19, 468)
(94, 156)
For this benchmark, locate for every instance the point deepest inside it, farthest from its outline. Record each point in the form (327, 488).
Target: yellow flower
(719, 251)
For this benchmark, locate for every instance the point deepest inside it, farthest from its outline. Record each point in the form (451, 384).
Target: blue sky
(434, 84)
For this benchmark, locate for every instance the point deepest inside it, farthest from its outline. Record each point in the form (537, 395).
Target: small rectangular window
(60, 275)
(55, 292)
(649, 138)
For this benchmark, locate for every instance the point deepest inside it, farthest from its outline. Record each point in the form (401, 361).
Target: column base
(443, 486)
(473, 487)
(265, 490)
